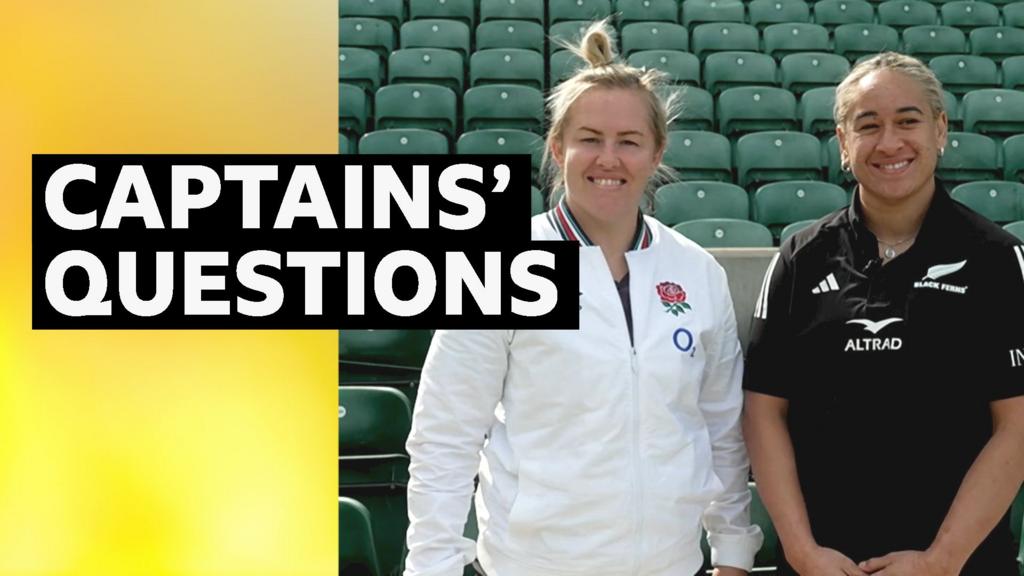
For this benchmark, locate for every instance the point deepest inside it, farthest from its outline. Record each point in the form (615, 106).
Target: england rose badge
(673, 297)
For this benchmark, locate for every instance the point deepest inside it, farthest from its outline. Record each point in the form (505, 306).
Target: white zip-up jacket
(601, 457)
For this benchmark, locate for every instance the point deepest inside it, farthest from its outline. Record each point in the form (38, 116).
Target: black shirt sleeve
(1003, 354)
(766, 352)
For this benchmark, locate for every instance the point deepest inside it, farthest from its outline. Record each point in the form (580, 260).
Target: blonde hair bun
(596, 47)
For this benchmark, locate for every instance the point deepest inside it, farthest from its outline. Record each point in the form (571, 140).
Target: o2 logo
(683, 339)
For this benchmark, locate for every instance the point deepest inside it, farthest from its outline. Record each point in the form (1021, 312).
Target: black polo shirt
(889, 372)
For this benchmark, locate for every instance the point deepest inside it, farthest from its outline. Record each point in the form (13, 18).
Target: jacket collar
(565, 223)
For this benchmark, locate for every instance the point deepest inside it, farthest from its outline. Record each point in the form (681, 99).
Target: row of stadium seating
(961, 13)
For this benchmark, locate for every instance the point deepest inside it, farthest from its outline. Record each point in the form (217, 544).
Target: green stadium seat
(724, 37)
(434, 33)
(854, 41)
(696, 12)
(724, 70)
(536, 201)
(403, 141)
(563, 64)
(698, 111)
(685, 201)
(681, 67)
(901, 14)
(503, 106)
(962, 73)
(360, 66)
(815, 111)
(1013, 73)
(569, 10)
(997, 42)
(699, 155)
(1013, 158)
(391, 11)
(357, 551)
(781, 40)
(969, 15)
(640, 36)
(462, 10)
(832, 13)
(746, 109)
(427, 65)
(1013, 15)
(532, 10)
(997, 200)
(510, 34)
(808, 70)
(507, 66)
(401, 349)
(346, 144)
(427, 106)
(994, 112)
(726, 233)
(564, 34)
(630, 11)
(969, 157)
(503, 141)
(764, 157)
(928, 41)
(353, 109)
(371, 33)
(762, 13)
(793, 228)
(779, 204)
(833, 163)
(1017, 229)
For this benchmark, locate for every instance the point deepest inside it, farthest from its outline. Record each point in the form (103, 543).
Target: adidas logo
(829, 284)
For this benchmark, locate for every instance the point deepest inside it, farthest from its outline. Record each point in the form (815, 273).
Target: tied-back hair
(604, 69)
(908, 66)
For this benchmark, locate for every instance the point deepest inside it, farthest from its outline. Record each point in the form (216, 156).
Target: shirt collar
(565, 223)
(931, 227)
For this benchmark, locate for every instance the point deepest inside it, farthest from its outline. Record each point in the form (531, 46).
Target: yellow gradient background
(177, 452)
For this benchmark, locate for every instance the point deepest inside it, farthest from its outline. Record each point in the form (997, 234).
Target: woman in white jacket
(600, 451)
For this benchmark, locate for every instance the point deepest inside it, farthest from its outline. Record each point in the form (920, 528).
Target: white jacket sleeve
(732, 538)
(462, 382)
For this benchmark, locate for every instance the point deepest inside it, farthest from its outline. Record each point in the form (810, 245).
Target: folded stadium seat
(434, 33)
(746, 109)
(681, 67)
(462, 10)
(832, 13)
(792, 228)
(698, 108)
(532, 10)
(764, 157)
(503, 141)
(723, 70)
(507, 66)
(725, 233)
(427, 66)
(969, 157)
(373, 423)
(779, 204)
(427, 106)
(961, 73)
(724, 37)
(1013, 73)
(570, 10)
(346, 144)
(902, 14)
(854, 41)
(630, 11)
(928, 41)
(696, 12)
(536, 201)
(503, 106)
(565, 34)
(766, 12)
(391, 11)
(403, 141)
(815, 111)
(953, 111)
(1013, 15)
(1017, 229)
(969, 15)
(685, 201)
(510, 34)
(997, 200)
(699, 155)
(808, 70)
(996, 112)
(562, 65)
(640, 36)
(833, 164)
(384, 349)
(997, 42)
(371, 33)
(360, 66)
(357, 551)
(353, 109)
(781, 40)
(1013, 158)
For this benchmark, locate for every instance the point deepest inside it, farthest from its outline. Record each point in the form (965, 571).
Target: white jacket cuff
(736, 550)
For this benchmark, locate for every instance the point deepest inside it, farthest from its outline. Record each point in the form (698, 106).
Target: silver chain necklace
(889, 250)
